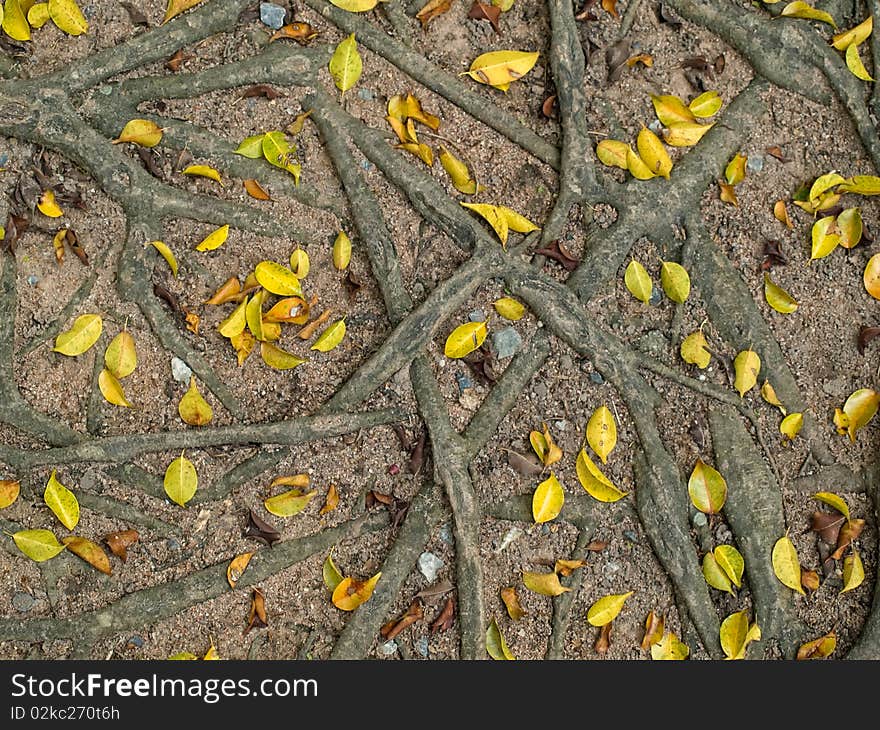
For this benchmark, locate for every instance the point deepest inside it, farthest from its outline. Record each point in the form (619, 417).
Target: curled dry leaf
(859, 409)
(603, 643)
(261, 530)
(791, 425)
(566, 567)
(393, 628)
(351, 593)
(89, 551)
(9, 491)
(780, 212)
(654, 627)
(594, 481)
(478, 11)
(819, 648)
(511, 603)
(446, 618)
(298, 31)
(545, 447)
(257, 618)
(331, 502)
(777, 297)
(848, 534)
(827, 526)
(236, 568)
(120, 541)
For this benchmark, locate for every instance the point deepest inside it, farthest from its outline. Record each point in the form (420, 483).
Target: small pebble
(366, 165)
(478, 315)
(464, 382)
(514, 533)
(540, 390)
(389, 648)
(755, 164)
(136, 641)
(429, 566)
(180, 371)
(422, 646)
(32, 280)
(560, 425)
(655, 126)
(105, 90)
(506, 342)
(609, 569)
(631, 535)
(366, 94)
(700, 520)
(272, 15)
(446, 534)
(656, 296)
(23, 602)
(394, 470)
(596, 377)
(173, 543)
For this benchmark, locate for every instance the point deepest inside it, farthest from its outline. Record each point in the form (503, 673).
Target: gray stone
(136, 641)
(32, 280)
(272, 15)
(699, 520)
(835, 387)
(389, 648)
(180, 371)
(655, 126)
(23, 602)
(506, 342)
(610, 568)
(446, 534)
(366, 94)
(653, 343)
(429, 566)
(656, 296)
(630, 535)
(464, 382)
(596, 377)
(755, 164)
(540, 390)
(478, 315)
(514, 533)
(422, 646)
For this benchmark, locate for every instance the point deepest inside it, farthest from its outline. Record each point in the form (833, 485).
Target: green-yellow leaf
(613, 153)
(824, 183)
(464, 339)
(112, 389)
(181, 480)
(355, 6)
(203, 171)
(638, 282)
(341, 251)
(501, 68)
(278, 279)
(694, 350)
(731, 562)
(547, 584)
(62, 502)
(251, 147)
(768, 393)
(861, 184)
(67, 16)
(669, 648)
(78, 339)
(299, 263)
(746, 367)
(824, 237)
(804, 10)
(860, 408)
(279, 359)
(736, 635)
(38, 545)
(675, 281)
(330, 337)
(791, 425)
(495, 644)
(707, 488)
(120, 357)
(855, 65)
(547, 500)
(853, 572)
(833, 500)
(278, 151)
(597, 485)
(853, 36)
(510, 308)
(14, 21)
(653, 153)
(735, 172)
(215, 239)
(141, 132)
(672, 110)
(346, 65)
(850, 226)
(193, 408)
(166, 254)
(606, 609)
(332, 576)
(637, 166)
(289, 503)
(777, 297)
(786, 565)
(705, 105)
(254, 315)
(602, 432)
(715, 575)
(502, 219)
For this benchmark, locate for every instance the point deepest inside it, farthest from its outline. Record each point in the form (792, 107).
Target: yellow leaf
(58, 245)
(236, 568)
(606, 609)
(546, 449)
(355, 6)
(547, 500)
(637, 167)
(183, 656)
(67, 16)
(332, 576)
(38, 545)
(111, 389)
(853, 572)
(547, 584)
(278, 279)
(420, 150)
(464, 339)
(341, 251)
(203, 171)
(735, 172)
(746, 366)
(736, 635)
(120, 357)
(279, 359)
(860, 408)
(613, 153)
(9, 491)
(48, 207)
(330, 337)
(495, 644)
(707, 488)
(251, 147)
(14, 21)
(78, 339)
(459, 173)
(62, 502)
(346, 65)
(567, 567)
(849, 223)
(509, 308)
(501, 68)
(351, 593)
(409, 107)
(780, 212)
(290, 309)
(731, 562)
(235, 323)
(511, 603)
(832, 500)
(214, 240)
(841, 421)
(211, 654)
(176, 7)
(685, 134)
(243, 343)
(299, 263)
(653, 153)
(193, 408)
(37, 16)
(289, 503)
(638, 282)
(693, 350)
(715, 575)
(818, 648)
(278, 151)
(801, 9)
(786, 565)
(502, 219)
(871, 277)
(594, 481)
(855, 65)
(824, 183)
(166, 254)
(254, 315)
(824, 238)
(852, 37)
(181, 480)
(777, 297)
(602, 432)
(89, 551)
(669, 648)
(861, 184)
(672, 110)
(706, 104)
(141, 132)
(791, 425)
(676, 282)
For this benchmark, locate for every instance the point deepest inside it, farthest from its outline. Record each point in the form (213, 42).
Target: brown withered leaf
(398, 512)
(264, 91)
(168, 297)
(597, 546)
(227, 292)
(417, 457)
(446, 618)
(827, 525)
(257, 618)
(511, 603)
(482, 11)
(668, 16)
(828, 562)
(698, 63)
(72, 240)
(523, 464)
(431, 10)
(373, 498)
(603, 643)
(719, 64)
(866, 334)
(255, 190)
(615, 59)
(306, 332)
(727, 194)
(849, 531)
(810, 580)
(261, 530)
(174, 63)
(403, 436)
(120, 541)
(135, 15)
(586, 12)
(184, 158)
(483, 365)
(352, 285)
(15, 228)
(776, 151)
(192, 321)
(566, 567)
(331, 502)
(150, 161)
(654, 627)
(299, 31)
(548, 108)
(610, 6)
(773, 255)
(438, 589)
(557, 251)
(414, 613)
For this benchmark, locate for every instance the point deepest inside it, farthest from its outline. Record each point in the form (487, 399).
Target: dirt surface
(818, 342)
